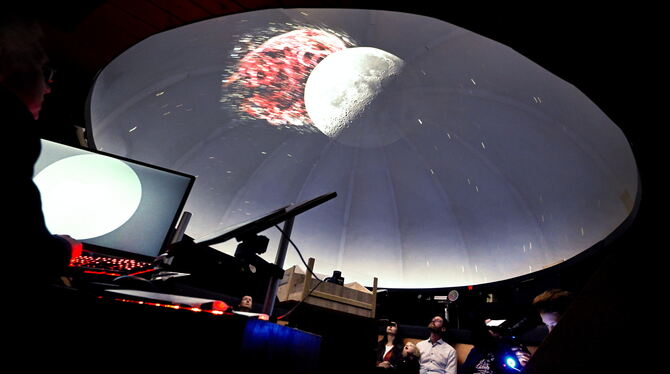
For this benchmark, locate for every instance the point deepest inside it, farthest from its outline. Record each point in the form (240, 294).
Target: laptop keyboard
(109, 265)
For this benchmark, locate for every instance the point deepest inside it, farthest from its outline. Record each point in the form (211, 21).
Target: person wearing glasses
(437, 357)
(24, 83)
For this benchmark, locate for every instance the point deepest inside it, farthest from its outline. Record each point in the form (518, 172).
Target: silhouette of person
(24, 82)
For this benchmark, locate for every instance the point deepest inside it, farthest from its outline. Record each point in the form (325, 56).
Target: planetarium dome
(456, 160)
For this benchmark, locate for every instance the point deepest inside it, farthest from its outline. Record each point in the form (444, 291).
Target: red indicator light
(219, 305)
(179, 307)
(102, 273)
(143, 271)
(75, 250)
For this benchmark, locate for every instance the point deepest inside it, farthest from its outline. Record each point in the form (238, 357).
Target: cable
(299, 302)
(299, 254)
(308, 268)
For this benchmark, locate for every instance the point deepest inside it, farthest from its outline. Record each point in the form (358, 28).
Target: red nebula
(271, 78)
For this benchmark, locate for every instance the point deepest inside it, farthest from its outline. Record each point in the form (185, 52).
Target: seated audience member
(437, 357)
(409, 362)
(551, 305)
(389, 349)
(245, 304)
(490, 352)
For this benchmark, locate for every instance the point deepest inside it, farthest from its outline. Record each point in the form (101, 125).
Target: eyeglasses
(48, 72)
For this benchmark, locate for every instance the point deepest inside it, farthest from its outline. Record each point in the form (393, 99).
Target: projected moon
(456, 160)
(113, 194)
(345, 84)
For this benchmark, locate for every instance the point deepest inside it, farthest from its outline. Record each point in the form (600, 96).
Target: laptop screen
(109, 203)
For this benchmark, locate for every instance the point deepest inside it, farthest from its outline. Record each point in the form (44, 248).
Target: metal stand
(286, 215)
(271, 293)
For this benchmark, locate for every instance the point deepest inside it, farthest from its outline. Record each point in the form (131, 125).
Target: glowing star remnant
(114, 195)
(269, 81)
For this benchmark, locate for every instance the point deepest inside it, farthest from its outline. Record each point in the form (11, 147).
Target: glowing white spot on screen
(87, 196)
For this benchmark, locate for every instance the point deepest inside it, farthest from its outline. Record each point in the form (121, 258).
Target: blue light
(511, 363)
(274, 348)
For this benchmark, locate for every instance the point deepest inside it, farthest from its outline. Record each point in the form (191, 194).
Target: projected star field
(456, 160)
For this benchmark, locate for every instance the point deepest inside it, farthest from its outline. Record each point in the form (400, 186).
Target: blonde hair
(416, 353)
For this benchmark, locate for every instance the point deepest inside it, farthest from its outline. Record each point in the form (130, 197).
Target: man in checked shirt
(436, 355)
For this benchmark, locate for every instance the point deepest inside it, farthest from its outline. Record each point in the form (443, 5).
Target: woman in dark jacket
(389, 349)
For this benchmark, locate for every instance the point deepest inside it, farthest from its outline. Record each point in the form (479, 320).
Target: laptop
(123, 211)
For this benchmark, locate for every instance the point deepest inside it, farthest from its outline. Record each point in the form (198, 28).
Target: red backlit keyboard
(109, 265)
